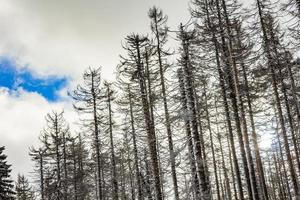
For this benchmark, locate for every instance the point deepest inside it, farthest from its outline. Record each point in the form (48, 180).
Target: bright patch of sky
(14, 78)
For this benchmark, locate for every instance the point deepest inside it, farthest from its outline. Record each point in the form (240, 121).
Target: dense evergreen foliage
(6, 183)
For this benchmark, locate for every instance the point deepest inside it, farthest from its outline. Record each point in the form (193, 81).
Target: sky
(44, 48)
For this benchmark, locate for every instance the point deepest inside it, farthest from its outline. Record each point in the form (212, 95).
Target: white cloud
(65, 37)
(22, 119)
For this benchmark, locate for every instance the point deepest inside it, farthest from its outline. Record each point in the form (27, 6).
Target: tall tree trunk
(231, 168)
(135, 151)
(228, 189)
(96, 141)
(277, 99)
(225, 102)
(205, 194)
(149, 93)
(149, 125)
(286, 178)
(211, 144)
(147, 182)
(233, 90)
(271, 180)
(201, 135)
(251, 116)
(57, 158)
(74, 170)
(122, 183)
(42, 187)
(65, 167)
(112, 151)
(293, 86)
(126, 143)
(166, 112)
(196, 185)
(278, 178)
(290, 119)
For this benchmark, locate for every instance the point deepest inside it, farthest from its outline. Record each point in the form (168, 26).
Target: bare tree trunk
(196, 185)
(147, 183)
(166, 110)
(283, 163)
(228, 189)
(96, 140)
(122, 183)
(293, 87)
(278, 178)
(233, 95)
(74, 170)
(271, 180)
(151, 104)
(149, 125)
(57, 158)
(113, 160)
(129, 167)
(290, 119)
(41, 160)
(65, 167)
(277, 99)
(192, 108)
(212, 144)
(222, 184)
(231, 169)
(254, 135)
(135, 151)
(201, 136)
(226, 107)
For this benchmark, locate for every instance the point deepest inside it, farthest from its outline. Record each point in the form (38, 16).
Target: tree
(80, 169)
(110, 98)
(54, 139)
(268, 30)
(186, 38)
(233, 83)
(88, 98)
(183, 99)
(6, 184)
(159, 29)
(38, 156)
(23, 190)
(135, 44)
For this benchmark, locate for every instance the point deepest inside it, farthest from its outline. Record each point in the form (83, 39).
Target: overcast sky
(44, 48)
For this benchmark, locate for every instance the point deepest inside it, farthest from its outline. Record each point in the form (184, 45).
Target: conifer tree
(6, 183)
(135, 46)
(159, 29)
(23, 189)
(88, 102)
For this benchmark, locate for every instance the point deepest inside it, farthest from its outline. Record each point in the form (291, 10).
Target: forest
(187, 122)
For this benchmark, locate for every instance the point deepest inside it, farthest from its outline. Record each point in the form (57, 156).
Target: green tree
(23, 189)
(6, 184)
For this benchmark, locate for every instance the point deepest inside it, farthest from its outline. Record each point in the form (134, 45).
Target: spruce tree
(23, 189)
(6, 184)
(88, 99)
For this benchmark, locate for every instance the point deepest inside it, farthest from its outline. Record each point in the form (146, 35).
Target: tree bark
(196, 185)
(112, 151)
(166, 111)
(205, 194)
(135, 151)
(149, 124)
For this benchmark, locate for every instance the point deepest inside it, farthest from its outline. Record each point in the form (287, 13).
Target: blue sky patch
(13, 78)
